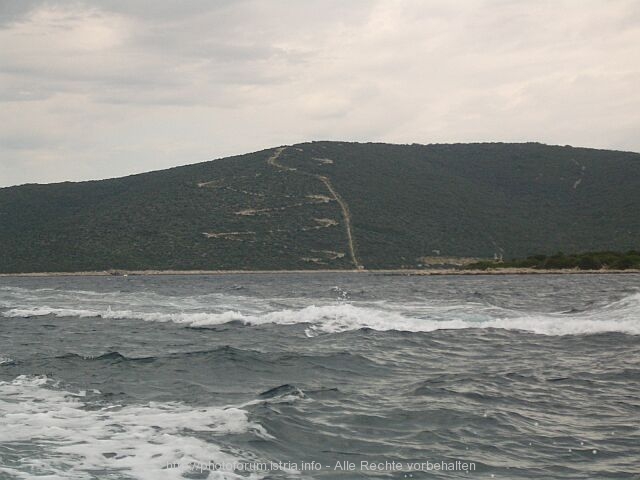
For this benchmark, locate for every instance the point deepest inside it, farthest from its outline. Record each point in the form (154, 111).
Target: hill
(330, 205)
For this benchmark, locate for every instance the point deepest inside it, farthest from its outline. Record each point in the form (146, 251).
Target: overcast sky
(107, 88)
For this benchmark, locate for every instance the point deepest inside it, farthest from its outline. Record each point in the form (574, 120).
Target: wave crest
(620, 316)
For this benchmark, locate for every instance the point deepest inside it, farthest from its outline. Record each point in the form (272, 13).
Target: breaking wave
(77, 437)
(620, 316)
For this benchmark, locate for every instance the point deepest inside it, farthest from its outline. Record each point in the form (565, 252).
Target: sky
(98, 89)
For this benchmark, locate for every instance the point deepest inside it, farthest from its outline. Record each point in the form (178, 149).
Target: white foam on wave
(64, 439)
(191, 318)
(620, 316)
(22, 302)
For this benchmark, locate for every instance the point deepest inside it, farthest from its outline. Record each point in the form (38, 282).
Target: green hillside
(298, 207)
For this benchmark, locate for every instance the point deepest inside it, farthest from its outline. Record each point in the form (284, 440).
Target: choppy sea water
(320, 376)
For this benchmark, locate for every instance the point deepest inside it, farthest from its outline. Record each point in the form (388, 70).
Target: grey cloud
(25, 141)
(12, 10)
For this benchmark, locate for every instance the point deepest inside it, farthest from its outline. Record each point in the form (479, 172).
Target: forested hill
(330, 205)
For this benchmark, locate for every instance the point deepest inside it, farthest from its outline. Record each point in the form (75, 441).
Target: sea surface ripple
(523, 377)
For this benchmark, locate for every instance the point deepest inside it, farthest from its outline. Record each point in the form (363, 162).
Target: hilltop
(330, 205)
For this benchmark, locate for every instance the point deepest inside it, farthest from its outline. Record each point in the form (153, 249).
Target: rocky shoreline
(407, 272)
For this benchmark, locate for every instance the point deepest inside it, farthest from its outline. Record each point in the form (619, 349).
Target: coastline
(396, 272)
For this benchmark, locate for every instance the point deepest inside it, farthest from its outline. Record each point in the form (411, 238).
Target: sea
(320, 376)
